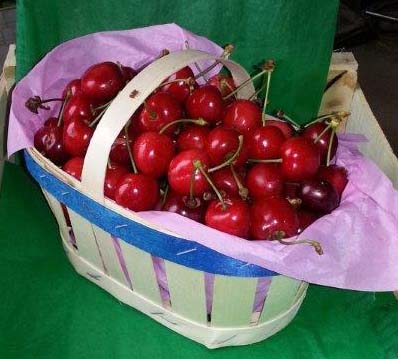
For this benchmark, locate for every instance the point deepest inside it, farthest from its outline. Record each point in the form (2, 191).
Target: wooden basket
(114, 248)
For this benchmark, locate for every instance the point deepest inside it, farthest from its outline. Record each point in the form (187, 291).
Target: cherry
(265, 143)
(182, 173)
(264, 180)
(102, 82)
(51, 122)
(152, 153)
(76, 137)
(191, 208)
(159, 110)
(284, 126)
(224, 179)
(336, 175)
(192, 137)
(180, 90)
(224, 83)
(232, 216)
(114, 173)
(137, 192)
(242, 116)
(74, 167)
(49, 142)
(205, 102)
(300, 159)
(72, 88)
(128, 73)
(322, 141)
(306, 218)
(291, 189)
(319, 196)
(272, 217)
(78, 107)
(119, 151)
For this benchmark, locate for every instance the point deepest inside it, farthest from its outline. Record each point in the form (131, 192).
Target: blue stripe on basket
(162, 245)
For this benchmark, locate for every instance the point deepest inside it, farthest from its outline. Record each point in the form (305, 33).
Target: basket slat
(280, 297)
(142, 274)
(231, 293)
(187, 292)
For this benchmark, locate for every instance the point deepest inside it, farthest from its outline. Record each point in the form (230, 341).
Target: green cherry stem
(330, 146)
(231, 159)
(62, 109)
(269, 73)
(126, 132)
(243, 84)
(273, 160)
(279, 235)
(243, 191)
(339, 114)
(199, 122)
(327, 128)
(165, 193)
(98, 117)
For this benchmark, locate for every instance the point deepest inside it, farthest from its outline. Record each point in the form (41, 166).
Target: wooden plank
(140, 268)
(280, 297)
(232, 301)
(187, 292)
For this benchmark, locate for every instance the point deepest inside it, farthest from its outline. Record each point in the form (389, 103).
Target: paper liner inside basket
(358, 238)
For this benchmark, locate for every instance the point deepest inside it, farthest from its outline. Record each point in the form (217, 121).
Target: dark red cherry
(78, 107)
(192, 137)
(152, 153)
(114, 173)
(233, 217)
(306, 218)
(128, 73)
(264, 180)
(119, 151)
(49, 142)
(194, 208)
(51, 122)
(180, 90)
(224, 83)
(74, 167)
(102, 82)
(291, 189)
(284, 126)
(318, 196)
(265, 143)
(242, 116)
(225, 181)
(272, 217)
(77, 136)
(72, 88)
(336, 175)
(205, 102)
(137, 192)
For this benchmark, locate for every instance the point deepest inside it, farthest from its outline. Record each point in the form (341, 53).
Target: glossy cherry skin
(336, 175)
(224, 83)
(192, 137)
(265, 143)
(233, 219)
(242, 116)
(318, 196)
(74, 167)
(225, 182)
(128, 73)
(114, 173)
(306, 218)
(291, 189)
(181, 171)
(272, 216)
(77, 136)
(119, 151)
(159, 110)
(264, 180)
(152, 153)
(300, 159)
(284, 126)
(49, 142)
(78, 107)
(194, 209)
(180, 90)
(222, 144)
(72, 88)
(102, 82)
(137, 192)
(313, 131)
(205, 102)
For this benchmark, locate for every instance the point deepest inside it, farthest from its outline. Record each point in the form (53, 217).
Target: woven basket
(115, 249)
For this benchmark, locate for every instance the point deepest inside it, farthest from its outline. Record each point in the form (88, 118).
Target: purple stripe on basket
(263, 284)
(161, 278)
(209, 289)
(122, 262)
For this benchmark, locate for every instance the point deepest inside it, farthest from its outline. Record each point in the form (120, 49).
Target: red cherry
(300, 159)
(291, 189)
(182, 170)
(232, 218)
(306, 218)
(72, 88)
(224, 180)
(78, 107)
(76, 137)
(192, 137)
(336, 175)
(51, 122)
(137, 192)
(74, 167)
(152, 153)
(179, 90)
(319, 196)
(114, 173)
(128, 73)
(102, 82)
(313, 131)
(119, 152)
(272, 216)
(265, 143)
(184, 206)
(242, 116)
(205, 102)
(159, 110)
(224, 83)
(264, 180)
(284, 126)
(49, 142)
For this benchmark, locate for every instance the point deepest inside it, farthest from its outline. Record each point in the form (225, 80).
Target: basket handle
(124, 106)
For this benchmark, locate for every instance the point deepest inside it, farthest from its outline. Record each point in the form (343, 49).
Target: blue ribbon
(149, 240)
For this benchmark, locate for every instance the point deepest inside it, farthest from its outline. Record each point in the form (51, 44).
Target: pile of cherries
(198, 151)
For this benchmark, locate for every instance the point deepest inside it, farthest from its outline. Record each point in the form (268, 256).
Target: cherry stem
(317, 246)
(191, 182)
(327, 128)
(269, 73)
(187, 81)
(103, 106)
(274, 160)
(243, 191)
(330, 147)
(255, 94)
(243, 84)
(61, 110)
(97, 118)
(198, 165)
(231, 159)
(126, 132)
(281, 116)
(165, 193)
(339, 114)
(199, 122)
(34, 103)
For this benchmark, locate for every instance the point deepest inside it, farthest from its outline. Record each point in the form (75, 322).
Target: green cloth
(298, 34)
(49, 311)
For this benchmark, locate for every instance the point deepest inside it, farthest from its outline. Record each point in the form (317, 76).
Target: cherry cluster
(199, 151)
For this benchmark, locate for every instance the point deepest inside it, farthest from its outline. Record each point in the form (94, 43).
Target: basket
(115, 249)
